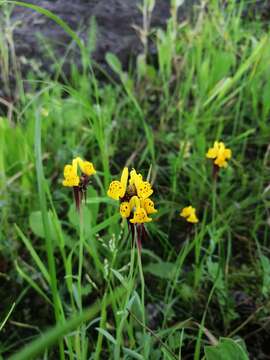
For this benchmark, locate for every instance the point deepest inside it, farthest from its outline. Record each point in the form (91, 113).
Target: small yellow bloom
(71, 177)
(133, 194)
(125, 209)
(220, 153)
(148, 205)
(140, 216)
(189, 213)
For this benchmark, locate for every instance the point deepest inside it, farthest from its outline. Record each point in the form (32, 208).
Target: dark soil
(36, 37)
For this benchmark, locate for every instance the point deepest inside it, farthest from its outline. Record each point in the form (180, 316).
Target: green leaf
(266, 98)
(227, 349)
(163, 270)
(36, 224)
(132, 354)
(114, 63)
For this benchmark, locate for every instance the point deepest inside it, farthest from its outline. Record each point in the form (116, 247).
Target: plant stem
(141, 275)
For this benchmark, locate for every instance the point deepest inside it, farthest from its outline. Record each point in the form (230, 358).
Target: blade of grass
(34, 254)
(7, 316)
(223, 87)
(32, 283)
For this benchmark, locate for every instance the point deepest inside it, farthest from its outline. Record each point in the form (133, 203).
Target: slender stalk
(130, 282)
(138, 243)
(142, 284)
(214, 201)
(80, 266)
(102, 325)
(82, 332)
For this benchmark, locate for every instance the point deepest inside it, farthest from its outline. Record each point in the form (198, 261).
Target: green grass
(81, 276)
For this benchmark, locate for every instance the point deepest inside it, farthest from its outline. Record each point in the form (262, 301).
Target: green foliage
(226, 349)
(209, 81)
(163, 270)
(36, 224)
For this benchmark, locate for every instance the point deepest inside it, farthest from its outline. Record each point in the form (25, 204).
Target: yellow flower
(140, 216)
(125, 209)
(189, 213)
(220, 153)
(71, 177)
(134, 194)
(117, 189)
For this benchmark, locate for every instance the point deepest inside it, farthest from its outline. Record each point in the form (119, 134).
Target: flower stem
(79, 286)
(139, 231)
(130, 288)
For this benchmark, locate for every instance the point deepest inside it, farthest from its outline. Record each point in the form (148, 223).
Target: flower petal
(125, 209)
(148, 205)
(186, 211)
(212, 153)
(88, 168)
(116, 190)
(124, 179)
(140, 216)
(144, 189)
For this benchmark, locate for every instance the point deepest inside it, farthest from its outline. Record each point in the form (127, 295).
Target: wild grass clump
(167, 262)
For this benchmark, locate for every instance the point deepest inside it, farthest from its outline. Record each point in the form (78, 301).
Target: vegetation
(195, 290)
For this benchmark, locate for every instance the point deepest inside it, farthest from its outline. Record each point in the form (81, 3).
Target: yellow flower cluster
(220, 154)
(132, 191)
(71, 177)
(134, 194)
